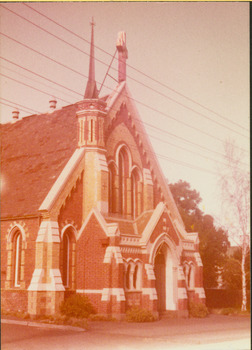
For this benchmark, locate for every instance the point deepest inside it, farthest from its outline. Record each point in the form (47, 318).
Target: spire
(91, 89)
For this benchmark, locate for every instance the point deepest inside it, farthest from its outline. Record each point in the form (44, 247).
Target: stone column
(46, 291)
(113, 294)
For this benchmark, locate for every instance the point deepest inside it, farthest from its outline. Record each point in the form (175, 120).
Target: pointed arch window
(17, 250)
(191, 276)
(133, 273)
(112, 188)
(67, 260)
(128, 275)
(123, 172)
(135, 200)
(188, 269)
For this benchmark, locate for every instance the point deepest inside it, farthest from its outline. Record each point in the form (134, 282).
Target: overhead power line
(41, 76)
(156, 138)
(145, 123)
(34, 80)
(17, 104)
(77, 48)
(139, 102)
(8, 105)
(43, 55)
(132, 146)
(151, 78)
(32, 87)
(141, 122)
(102, 62)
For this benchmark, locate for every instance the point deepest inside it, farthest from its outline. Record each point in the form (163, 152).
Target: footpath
(17, 321)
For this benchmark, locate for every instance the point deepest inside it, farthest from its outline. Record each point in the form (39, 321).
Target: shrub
(101, 318)
(77, 322)
(136, 314)
(227, 311)
(77, 306)
(198, 310)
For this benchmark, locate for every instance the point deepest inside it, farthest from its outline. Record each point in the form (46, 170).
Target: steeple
(91, 91)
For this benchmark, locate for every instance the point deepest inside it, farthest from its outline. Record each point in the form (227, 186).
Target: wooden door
(160, 274)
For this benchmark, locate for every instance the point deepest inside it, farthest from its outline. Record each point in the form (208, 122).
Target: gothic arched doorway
(163, 267)
(159, 269)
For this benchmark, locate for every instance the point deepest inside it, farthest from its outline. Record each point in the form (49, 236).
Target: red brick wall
(133, 299)
(160, 229)
(90, 255)
(14, 300)
(72, 210)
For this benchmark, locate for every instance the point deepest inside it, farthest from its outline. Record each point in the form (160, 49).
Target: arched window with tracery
(123, 172)
(17, 252)
(112, 188)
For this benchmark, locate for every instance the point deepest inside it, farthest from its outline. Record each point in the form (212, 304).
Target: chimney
(122, 56)
(15, 115)
(52, 104)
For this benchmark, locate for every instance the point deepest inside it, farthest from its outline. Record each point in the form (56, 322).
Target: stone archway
(165, 282)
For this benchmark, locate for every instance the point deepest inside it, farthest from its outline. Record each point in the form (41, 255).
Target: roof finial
(91, 89)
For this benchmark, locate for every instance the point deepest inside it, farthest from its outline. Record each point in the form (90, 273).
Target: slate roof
(131, 227)
(34, 151)
(125, 226)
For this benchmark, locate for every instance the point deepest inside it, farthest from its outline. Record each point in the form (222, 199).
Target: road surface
(212, 333)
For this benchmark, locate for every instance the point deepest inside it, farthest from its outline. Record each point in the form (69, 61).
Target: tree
(235, 191)
(213, 241)
(231, 274)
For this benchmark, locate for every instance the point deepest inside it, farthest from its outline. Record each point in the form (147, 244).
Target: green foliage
(93, 317)
(65, 320)
(232, 274)
(77, 322)
(136, 314)
(213, 242)
(56, 319)
(232, 277)
(77, 306)
(198, 310)
(186, 199)
(228, 311)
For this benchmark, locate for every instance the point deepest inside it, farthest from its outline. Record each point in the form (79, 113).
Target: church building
(85, 208)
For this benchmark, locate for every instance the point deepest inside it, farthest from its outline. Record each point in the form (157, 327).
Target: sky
(188, 71)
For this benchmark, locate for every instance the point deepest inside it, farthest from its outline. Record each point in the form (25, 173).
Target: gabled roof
(122, 95)
(34, 151)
